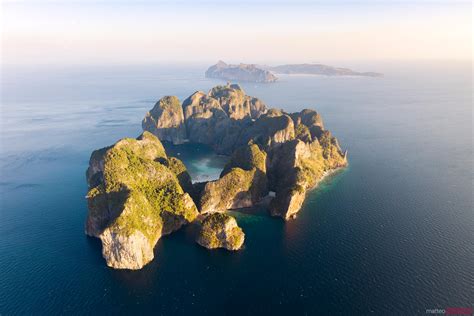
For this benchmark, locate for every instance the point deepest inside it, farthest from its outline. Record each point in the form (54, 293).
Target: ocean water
(390, 235)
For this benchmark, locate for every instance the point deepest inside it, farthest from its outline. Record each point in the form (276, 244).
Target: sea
(392, 234)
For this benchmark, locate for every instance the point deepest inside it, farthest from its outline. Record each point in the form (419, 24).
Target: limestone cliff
(135, 197)
(166, 120)
(138, 194)
(299, 165)
(298, 150)
(220, 231)
(242, 183)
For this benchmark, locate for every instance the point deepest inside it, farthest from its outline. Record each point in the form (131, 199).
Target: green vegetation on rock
(247, 158)
(138, 192)
(220, 231)
(302, 133)
(242, 183)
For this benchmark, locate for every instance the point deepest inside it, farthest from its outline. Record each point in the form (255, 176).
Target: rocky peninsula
(265, 73)
(137, 193)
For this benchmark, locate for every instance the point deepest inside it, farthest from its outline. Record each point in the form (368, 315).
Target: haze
(85, 32)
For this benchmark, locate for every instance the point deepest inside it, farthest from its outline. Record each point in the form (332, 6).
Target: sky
(259, 31)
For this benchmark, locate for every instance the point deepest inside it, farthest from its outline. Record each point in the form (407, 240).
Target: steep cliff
(166, 120)
(135, 197)
(298, 150)
(242, 183)
(138, 194)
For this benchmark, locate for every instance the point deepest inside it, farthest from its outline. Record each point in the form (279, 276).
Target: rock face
(136, 195)
(242, 183)
(270, 151)
(217, 118)
(220, 231)
(241, 72)
(299, 165)
(166, 120)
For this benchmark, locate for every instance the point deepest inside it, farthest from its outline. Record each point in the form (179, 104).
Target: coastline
(326, 174)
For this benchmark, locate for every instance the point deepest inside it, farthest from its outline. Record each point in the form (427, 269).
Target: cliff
(165, 120)
(242, 182)
(138, 194)
(135, 196)
(270, 150)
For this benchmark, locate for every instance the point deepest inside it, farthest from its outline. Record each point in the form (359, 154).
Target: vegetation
(220, 231)
(179, 169)
(218, 195)
(140, 189)
(247, 158)
(167, 103)
(302, 132)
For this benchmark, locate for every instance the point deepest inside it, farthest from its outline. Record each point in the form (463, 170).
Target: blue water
(390, 235)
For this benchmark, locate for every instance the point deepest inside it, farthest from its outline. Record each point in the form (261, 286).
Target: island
(241, 72)
(265, 73)
(137, 193)
(220, 230)
(318, 69)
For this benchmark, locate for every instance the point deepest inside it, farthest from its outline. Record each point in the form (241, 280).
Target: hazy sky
(82, 32)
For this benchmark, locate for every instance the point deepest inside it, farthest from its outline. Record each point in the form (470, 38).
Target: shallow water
(391, 234)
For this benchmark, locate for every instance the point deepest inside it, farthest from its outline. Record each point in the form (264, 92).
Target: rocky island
(137, 193)
(241, 72)
(264, 73)
(220, 230)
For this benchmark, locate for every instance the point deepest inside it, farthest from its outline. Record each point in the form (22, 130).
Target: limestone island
(264, 73)
(241, 72)
(137, 193)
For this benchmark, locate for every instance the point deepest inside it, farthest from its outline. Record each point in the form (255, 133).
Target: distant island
(137, 193)
(241, 72)
(318, 69)
(264, 73)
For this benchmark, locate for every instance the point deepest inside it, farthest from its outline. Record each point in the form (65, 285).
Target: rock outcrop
(299, 165)
(220, 231)
(166, 120)
(241, 72)
(242, 183)
(297, 150)
(136, 195)
(216, 118)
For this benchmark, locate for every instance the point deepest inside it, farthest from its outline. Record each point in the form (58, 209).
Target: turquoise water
(390, 235)
(201, 162)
